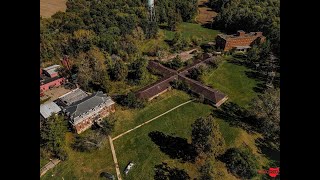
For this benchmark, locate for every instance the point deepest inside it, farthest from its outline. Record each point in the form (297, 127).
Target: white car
(129, 166)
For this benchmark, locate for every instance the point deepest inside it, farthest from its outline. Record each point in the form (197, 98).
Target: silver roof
(73, 96)
(85, 105)
(48, 108)
(51, 69)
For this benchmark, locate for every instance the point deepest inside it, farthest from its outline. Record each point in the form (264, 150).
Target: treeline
(102, 38)
(250, 15)
(113, 26)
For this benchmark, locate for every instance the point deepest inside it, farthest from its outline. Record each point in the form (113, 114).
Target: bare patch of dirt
(50, 7)
(205, 14)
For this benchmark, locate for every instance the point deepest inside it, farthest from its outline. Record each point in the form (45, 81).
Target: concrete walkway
(49, 166)
(151, 119)
(115, 158)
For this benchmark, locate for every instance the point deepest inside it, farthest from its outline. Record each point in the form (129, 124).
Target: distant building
(82, 114)
(52, 71)
(49, 77)
(240, 41)
(71, 97)
(47, 109)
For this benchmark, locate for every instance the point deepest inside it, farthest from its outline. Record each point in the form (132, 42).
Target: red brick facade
(228, 42)
(88, 121)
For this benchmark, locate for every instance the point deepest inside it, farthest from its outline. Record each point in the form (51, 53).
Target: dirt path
(151, 119)
(185, 55)
(115, 158)
(49, 166)
(205, 14)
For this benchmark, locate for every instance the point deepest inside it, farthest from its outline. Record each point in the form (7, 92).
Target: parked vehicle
(107, 175)
(129, 166)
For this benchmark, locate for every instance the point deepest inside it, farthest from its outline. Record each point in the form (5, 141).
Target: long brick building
(240, 41)
(214, 97)
(82, 114)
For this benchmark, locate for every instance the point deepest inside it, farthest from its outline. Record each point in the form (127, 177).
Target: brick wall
(88, 121)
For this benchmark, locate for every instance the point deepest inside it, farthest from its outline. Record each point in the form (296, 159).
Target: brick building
(49, 77)
(240, 41)
(214, 97)
(82, 114)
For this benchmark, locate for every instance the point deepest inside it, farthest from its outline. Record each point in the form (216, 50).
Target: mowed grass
(127, 119)
(232, 81)
(137, 146)
(82, 165)
(191, 29)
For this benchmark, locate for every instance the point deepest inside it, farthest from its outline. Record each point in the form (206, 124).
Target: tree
(207, 138)
(266, 107)
(131, 101)
(137, 71)
(254, 54)
(240, 162)
(106, 126)
(119, 71)
(196, 73)
(164, 172)
(207, 171)
(174, 19)
(175, 63)
(87, 143)
(52, 133)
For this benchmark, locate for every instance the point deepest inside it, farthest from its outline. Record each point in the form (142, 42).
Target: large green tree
(266, 107)
(52, 133)
(241, 162)
(207, 138)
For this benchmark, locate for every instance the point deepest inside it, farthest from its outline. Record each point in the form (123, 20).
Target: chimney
(240, 33)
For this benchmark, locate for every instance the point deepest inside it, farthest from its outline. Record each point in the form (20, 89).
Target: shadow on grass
(163, 171)
(237, 116)
(258, 74)
(174, 147)
(266, 148)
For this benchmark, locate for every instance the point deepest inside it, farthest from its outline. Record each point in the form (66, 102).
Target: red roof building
(239, 41)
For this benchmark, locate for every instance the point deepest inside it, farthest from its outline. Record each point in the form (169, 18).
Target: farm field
(49, 7)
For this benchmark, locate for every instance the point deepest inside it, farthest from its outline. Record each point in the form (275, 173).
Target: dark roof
(155, 88)
(161, 68)
(209, 93)
(80, 107)
(73, 96)
(48, 80)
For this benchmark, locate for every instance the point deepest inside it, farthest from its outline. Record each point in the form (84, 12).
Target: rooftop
(51, 69)
(48, 108)
(86, 104)
(45, 80)
(73, 96)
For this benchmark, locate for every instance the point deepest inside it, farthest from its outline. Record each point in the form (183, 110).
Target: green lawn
(137, 146)
(83, 165)
(232, 80)
(127, 119)
(192, 29)
(43, 162)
